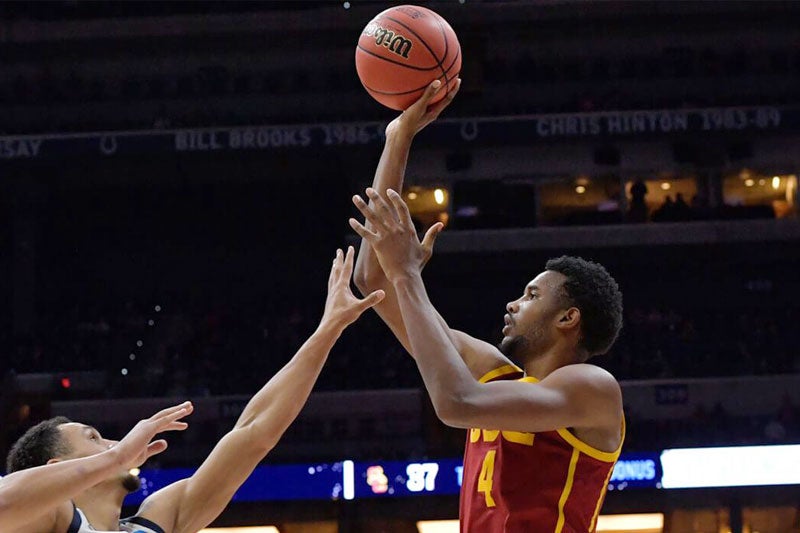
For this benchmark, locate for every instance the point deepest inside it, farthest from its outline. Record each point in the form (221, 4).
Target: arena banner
(488, 130)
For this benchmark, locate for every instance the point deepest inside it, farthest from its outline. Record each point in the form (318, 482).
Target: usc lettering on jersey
(516, 482)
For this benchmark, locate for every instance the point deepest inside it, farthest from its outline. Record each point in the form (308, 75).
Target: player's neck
(541, 365)
(102, 504)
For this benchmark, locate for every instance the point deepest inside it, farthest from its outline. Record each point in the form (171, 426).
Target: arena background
(175, 177)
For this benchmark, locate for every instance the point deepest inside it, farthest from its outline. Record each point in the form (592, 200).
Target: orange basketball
(402, 50)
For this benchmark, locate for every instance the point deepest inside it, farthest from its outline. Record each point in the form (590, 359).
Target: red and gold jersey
(515, 482)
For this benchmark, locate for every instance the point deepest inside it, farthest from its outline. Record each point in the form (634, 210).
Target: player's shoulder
(586, 375)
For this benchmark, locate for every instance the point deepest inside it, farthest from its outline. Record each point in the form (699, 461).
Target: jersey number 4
(486, 476)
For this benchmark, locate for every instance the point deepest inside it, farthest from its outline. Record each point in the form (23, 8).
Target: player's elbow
(452, 410)
(256, 439)
(460, 410)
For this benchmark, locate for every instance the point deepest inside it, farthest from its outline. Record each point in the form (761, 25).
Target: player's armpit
(192, 504)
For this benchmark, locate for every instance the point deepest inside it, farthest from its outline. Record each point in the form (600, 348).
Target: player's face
(530, 322)
(85, 441)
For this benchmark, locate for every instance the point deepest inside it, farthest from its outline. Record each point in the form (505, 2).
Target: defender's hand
(342, 307)
(136, 447)
(392, 234)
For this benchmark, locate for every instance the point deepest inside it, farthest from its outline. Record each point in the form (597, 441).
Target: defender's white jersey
(134, 524)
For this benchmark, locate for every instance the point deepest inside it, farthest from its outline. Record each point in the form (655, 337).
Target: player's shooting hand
(392, 234)
(133, 450)
(342, 307)
(421, 113)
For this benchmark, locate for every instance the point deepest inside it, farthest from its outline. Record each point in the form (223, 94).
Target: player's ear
(570, 318)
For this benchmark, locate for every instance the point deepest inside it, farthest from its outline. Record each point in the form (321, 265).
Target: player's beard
(511, 346)
(519, 348)
(130, 482)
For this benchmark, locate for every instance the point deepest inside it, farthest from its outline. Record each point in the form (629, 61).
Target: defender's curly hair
(38, 445)
(590, 288)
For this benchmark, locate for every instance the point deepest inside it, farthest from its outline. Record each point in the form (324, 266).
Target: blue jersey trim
(75, 525)
(139, 521)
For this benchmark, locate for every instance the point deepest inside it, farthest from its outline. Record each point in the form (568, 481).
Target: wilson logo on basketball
(387, 38)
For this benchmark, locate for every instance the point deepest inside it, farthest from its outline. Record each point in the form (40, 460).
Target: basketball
(402, 50)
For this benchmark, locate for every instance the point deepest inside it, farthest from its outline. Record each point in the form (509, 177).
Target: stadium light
(735, 466)
(640, 523)
(254, 529)
(437, 526)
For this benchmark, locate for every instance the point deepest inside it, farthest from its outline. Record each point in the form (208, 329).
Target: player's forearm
(389, 175)
(36, 491)
(446, 376)
(270, 412)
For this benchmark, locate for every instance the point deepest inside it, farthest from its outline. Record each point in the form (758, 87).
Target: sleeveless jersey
(134, 524)
(547, 482)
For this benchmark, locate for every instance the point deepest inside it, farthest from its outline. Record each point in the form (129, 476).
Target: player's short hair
(38, 445)
(591, 289)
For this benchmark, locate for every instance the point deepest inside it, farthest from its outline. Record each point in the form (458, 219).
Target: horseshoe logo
(108, 144)
(469, 130)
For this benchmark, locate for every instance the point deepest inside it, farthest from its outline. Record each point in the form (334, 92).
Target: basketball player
(542, 439)
(68, 479)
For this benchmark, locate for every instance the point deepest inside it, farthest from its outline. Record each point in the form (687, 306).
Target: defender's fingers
(172, 410)
(335, 268)
(403, 214)
(366, 234)
(431, 234)
(380, 205)
(347, 267)
(156, 447)
(373, 299)
(374, 219)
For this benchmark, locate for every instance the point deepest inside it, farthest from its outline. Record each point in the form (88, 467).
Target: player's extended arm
(191, 504)
(368, 275)
(34, 495)
(480, 357)
(581, 396)
(574, 396)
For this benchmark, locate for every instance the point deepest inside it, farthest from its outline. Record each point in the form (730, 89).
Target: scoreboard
(401, 478)
(348, 480)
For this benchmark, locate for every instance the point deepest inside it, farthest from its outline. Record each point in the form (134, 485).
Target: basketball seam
(367, 87)
(446, 50)
(424, 43)
(424, 69)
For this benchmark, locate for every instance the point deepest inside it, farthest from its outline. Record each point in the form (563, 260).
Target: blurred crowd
(714, 426)
(176, 351)
(550, 85)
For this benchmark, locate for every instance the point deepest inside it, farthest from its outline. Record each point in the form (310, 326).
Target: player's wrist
(398, 133)
(331, 326)
(404, 277)
(115, 457)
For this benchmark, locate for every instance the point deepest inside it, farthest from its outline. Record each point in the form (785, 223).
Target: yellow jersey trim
(502, 371)
(575, 442)
(573, 462)
(600, 499)
(600, 455)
